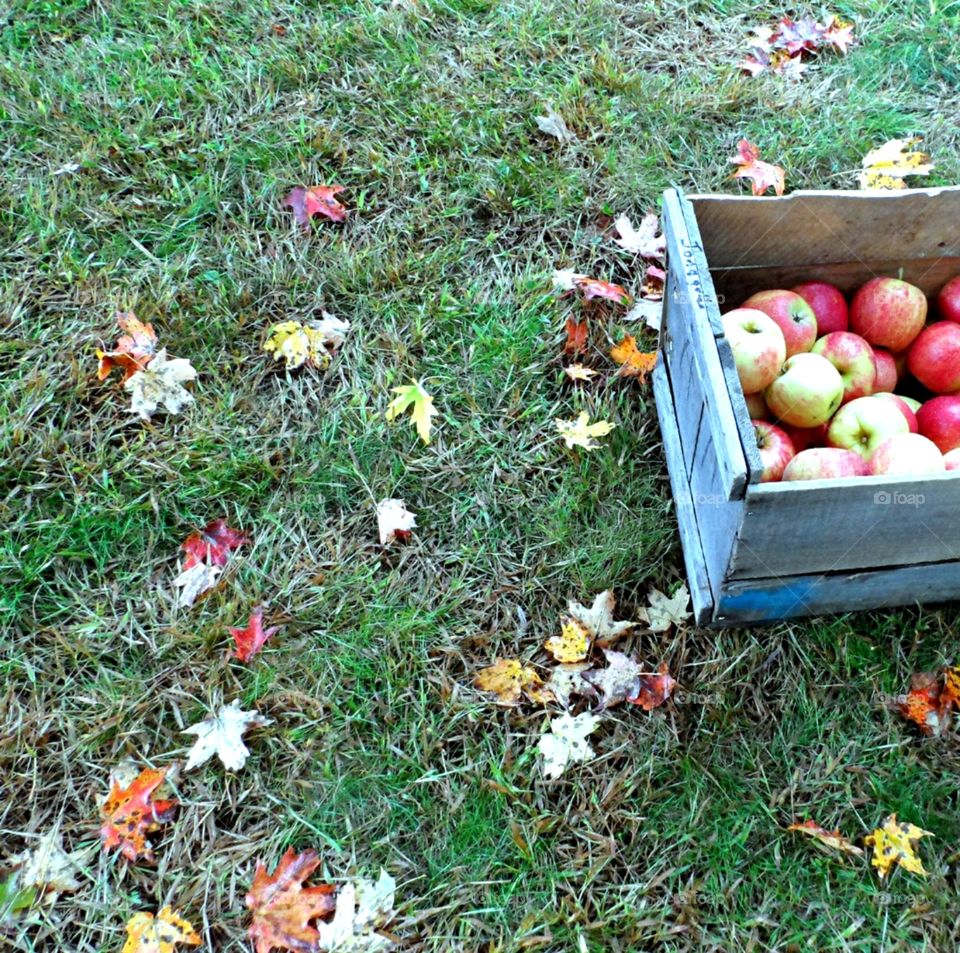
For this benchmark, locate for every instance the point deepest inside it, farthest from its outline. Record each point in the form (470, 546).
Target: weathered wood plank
(787, 597)
(824, 526)
(701, 595)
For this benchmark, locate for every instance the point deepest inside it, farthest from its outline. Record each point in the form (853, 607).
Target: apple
(829, 306)
(911, 402)
(904, 408)
(888, 312)
(952, 459)
(864, 423)
(757, 406)
(776, 450)
(758, 347)
(806, 392)
(904, 454)
(948, 301)
(805, 437)
(825, 463)
(934, 359)
(939, 421)
(793, 316)
(853, 357)
(887, 373)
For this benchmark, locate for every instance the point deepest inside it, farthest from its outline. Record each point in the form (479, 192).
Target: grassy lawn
(189, 121)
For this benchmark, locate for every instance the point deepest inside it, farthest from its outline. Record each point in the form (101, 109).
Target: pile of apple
(819, 379)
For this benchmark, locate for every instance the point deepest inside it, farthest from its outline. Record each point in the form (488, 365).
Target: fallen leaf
(644, 240)
(924, 704)
(633, 362)
(762, 174)
(894, 844)
(130, 813)
(283, 907)
(572, 644)
(832, 839)
(49, 868)
(213, 545)
(565, 279)
(318, 200)
(664, 611)
(566, 743)
(839, 35)
(598, 619)
(250, 640)
(595, 288)
(576, 342)
(581, 433)
(553, 125)
(617, 682)
(655, 689)
(312, 342)
(415, 398)
(577, 372)
(567, 680)
(782, 48)
(160, 382)
(394, 521)
(797, 36)
(195, 581)
(160, 934)
(886, 166)
(360, 908)
(654, 279)
(951, 687)
(222, 735)
(509, 680)
(134, 349)
(648, 310)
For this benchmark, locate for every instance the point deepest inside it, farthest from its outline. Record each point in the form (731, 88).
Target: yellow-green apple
(951, 459)
(934, 358)
(911, 402)
(806, 392)
(904, 408)
(852, 356)
(888, 312)
(758, 347)
(864, 423)
(887, 374)
(757, 406)
(825, 463)
(776, 450)
(793, 316)
(939, 420)
(805, 437)
(948, 301)
(904, 454)
(829, 306)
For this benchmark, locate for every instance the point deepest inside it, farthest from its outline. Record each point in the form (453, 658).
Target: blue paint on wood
(771, 602)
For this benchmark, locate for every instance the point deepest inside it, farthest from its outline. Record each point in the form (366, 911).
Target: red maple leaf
(654, 689)
(576, 342)
(318, 200)
(134, 349)
(283, 908)
(130, 813)
(797, 36)
(212, 546)
(762, 174)
(595, 288)
(251, 639)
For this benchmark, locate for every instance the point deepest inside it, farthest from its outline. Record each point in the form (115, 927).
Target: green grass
(189, 122)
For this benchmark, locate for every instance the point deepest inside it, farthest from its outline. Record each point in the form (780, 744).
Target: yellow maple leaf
(886, 166)
(580, 432)
(310, 342)
(572, 644)
(633, 362)
(893, 844)
(577, 372)
(420, 403)
(147, 933)
(509, 679)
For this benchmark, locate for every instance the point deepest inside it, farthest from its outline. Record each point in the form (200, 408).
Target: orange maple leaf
(576, 342)
(283, 908)
(318, 200)
(763, 175)
(251, 639)
(655, 689)
(833, 839)
(134, 349)
(633, 362)
(929, 701)
(130, 813)
(595, 288)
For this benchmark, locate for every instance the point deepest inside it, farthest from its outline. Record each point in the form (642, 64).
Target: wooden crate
(762, 552)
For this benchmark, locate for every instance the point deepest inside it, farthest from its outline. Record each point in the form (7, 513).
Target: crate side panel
(829, 525)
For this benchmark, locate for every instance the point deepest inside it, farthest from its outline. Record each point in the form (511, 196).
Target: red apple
(806, 392)
(805, 437)
(776, 450)
(906, 453)
(948, 301)
(864, 423)
(825, 463)
(853, 357)
(757, 406)
(792, 314)
(939, 420)
(829, 306)
(952, 459)
(904, 408)
(887, 373)
(758, 347)
(888, 313)
(934, 359)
